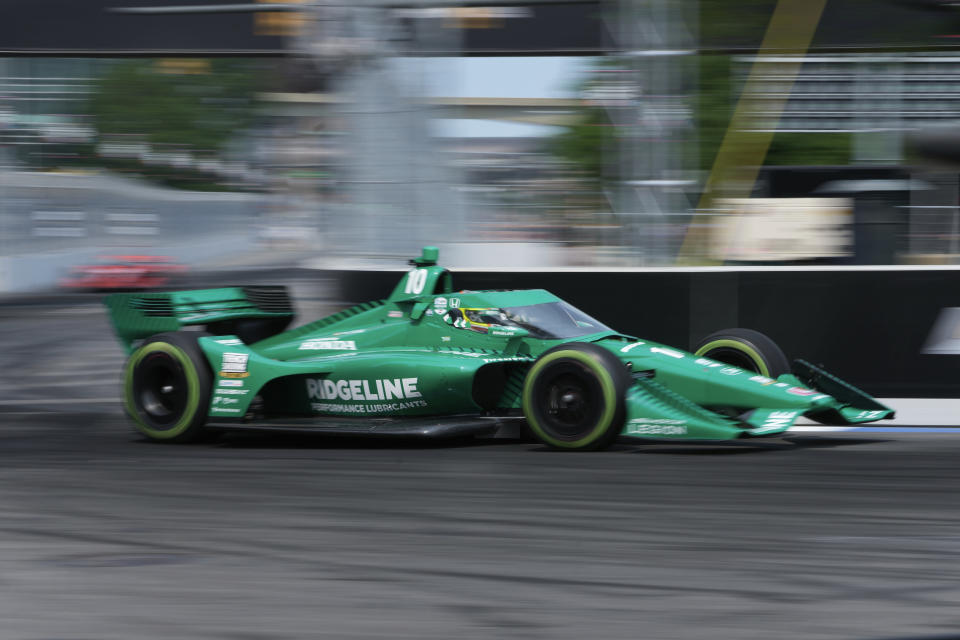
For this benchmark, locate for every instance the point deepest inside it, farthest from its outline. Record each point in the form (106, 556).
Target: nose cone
(822, 401)
(749, 389)
(711, 383)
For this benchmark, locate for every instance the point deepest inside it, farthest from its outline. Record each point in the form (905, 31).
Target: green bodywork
(403, 357)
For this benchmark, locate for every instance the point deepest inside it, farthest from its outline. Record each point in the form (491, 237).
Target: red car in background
(124, 272)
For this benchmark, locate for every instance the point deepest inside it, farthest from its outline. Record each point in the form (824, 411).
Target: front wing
(654, 410)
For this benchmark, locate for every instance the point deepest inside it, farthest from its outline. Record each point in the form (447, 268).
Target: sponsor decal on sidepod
(379, 389)
(364, 394)
(234, 365)
(321, 344)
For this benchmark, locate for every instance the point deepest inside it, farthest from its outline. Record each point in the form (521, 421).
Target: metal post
(658, 39)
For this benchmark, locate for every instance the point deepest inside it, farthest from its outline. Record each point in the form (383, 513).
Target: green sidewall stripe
(736, 346)
(609, 396)
(193, 390)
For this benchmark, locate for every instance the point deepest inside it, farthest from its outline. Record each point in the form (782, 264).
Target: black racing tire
(167, 386)
(574, 397)
(745, 348)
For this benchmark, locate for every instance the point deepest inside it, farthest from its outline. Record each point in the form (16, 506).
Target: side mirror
(508, 332)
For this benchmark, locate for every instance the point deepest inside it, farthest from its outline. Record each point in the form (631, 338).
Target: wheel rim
(161, 389)
(569, 400)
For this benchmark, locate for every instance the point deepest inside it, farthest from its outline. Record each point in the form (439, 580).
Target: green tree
(583, 142)
(197, 112)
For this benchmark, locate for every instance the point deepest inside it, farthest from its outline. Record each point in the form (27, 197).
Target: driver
(479, 320)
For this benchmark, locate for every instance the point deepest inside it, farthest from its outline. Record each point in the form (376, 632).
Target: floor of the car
(426, 427)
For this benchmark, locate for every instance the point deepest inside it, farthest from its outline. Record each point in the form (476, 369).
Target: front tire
(747, 349)
(574, 397)
(167, 386)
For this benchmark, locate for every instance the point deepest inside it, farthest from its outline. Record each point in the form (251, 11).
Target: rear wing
(139, 315)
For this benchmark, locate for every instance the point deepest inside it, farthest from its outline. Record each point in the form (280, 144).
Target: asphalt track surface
(104, 535)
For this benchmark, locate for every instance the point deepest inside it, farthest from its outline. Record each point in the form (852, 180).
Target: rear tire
(167, 386)
(745, 348)
(574, 397)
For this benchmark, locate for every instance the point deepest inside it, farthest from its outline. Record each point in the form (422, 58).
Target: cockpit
(545, 321)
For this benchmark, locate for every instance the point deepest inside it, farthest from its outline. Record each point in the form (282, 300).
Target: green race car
(432, 361)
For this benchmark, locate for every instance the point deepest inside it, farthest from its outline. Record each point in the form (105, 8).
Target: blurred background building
(531, 133)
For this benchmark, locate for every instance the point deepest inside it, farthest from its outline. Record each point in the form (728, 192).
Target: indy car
(431, 361)
(124, 273)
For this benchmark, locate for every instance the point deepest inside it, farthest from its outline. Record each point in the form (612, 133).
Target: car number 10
(416, 280)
